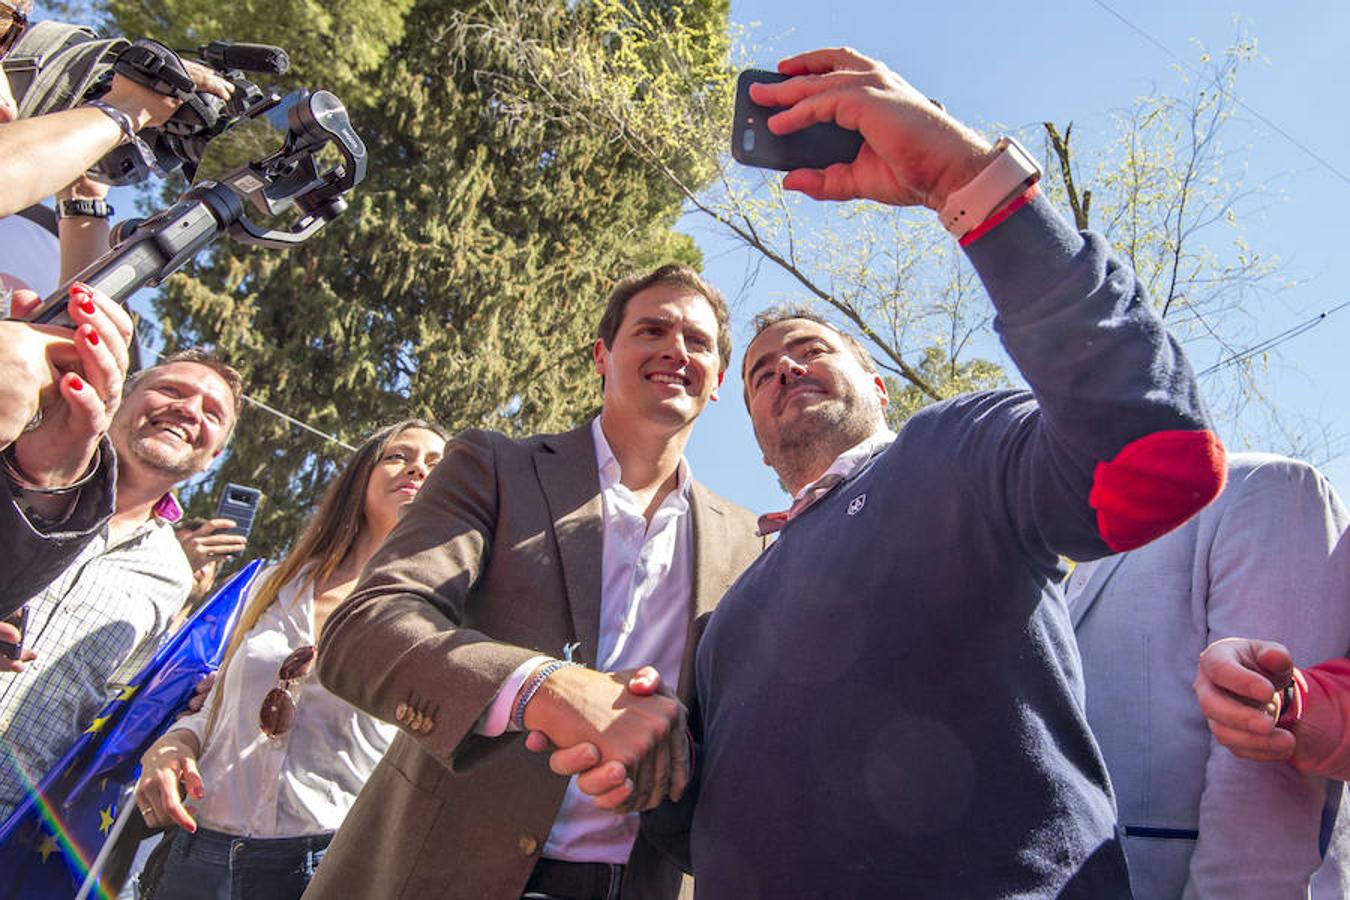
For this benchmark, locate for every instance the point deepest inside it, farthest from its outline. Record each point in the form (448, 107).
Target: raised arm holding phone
(888, 701)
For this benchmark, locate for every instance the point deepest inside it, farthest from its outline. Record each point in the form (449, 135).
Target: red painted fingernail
(75, 383)
(87, 307)
(92, 336)
(82, 295)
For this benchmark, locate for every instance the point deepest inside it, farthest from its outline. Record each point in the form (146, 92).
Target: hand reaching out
(623, 725)
(1237, 684)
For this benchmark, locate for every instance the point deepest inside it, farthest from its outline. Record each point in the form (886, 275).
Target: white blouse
(301, 782)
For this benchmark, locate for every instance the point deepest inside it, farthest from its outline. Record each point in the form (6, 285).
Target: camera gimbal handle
(146, 252)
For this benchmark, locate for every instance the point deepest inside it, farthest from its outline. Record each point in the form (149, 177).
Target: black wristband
(82, 208)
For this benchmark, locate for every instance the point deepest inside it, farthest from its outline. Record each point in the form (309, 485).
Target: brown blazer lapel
(712, 536)
(571, 485)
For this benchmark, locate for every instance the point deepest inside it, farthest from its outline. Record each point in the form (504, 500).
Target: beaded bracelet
(124, 123)
(532, 687)
(129, 135)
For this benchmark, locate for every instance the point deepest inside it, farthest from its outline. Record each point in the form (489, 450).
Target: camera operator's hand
(74, 377)
(148, 108)
(41, 155)
(913, 152)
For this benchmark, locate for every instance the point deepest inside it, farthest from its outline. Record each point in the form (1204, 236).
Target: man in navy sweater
(889, 700)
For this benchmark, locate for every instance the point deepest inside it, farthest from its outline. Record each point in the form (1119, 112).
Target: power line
(291, 419)
(1312, 154)
(1271, 343)
(294, 421)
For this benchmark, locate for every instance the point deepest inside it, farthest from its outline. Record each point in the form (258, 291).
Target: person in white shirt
(524, 557)
(273, 761)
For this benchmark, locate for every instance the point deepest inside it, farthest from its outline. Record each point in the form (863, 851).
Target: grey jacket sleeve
(1270, 571)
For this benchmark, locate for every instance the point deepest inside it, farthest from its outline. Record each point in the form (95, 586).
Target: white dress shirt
(646, 584)
(303, 781)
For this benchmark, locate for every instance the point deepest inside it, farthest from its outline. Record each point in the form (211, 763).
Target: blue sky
(1020, 64)
(1080, 60)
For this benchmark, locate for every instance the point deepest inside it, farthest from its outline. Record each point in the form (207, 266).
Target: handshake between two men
(630, 753)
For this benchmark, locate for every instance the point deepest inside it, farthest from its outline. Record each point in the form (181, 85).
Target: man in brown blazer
(517, 558)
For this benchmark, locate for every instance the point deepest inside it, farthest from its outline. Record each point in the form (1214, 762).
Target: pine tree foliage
(464, 282)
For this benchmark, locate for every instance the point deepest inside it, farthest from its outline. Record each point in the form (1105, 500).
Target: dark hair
(329, 536)
(770, 317)
(675, 274)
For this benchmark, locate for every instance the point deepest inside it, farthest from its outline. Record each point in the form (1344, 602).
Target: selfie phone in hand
(19, 619)
(239, 504)
(814, 147)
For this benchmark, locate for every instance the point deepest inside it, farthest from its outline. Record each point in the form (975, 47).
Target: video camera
(180, 141)
(145, 252)
(56, 66)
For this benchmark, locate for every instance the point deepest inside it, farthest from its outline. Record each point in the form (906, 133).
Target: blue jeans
(210, 865)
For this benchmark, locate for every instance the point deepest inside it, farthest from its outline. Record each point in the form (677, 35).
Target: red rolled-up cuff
(1154, 484)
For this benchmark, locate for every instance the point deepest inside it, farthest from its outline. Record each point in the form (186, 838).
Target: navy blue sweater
(890, 701)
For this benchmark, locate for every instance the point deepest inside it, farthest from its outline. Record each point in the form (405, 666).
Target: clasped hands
(622, 733)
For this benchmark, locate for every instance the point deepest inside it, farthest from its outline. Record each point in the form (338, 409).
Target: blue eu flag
(49, 842)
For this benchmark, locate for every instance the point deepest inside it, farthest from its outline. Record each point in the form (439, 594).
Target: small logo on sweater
(856, 504)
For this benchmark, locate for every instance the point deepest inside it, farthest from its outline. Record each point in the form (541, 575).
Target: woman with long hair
(273, 761)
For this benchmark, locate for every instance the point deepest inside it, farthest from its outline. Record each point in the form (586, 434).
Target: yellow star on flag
(97, 725)
(105, 820)
(47, 847)
(127, 692)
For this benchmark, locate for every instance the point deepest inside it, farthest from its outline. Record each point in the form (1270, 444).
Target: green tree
(464, 282)
(892, 277)
(1167, 190)
(1163, 186)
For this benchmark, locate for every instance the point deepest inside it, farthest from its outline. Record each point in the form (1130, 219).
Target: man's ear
(600, 354)
(881, 390)
(721, 376)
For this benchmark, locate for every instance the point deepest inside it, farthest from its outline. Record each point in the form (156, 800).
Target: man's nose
(789, 368)
(676, 349)
(190, 405)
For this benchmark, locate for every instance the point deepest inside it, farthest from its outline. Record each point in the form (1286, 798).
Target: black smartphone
(19, 619)
(239, 504)
(814, 147)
